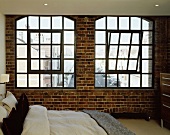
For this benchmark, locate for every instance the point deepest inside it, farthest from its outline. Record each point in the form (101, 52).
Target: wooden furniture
(165, 97)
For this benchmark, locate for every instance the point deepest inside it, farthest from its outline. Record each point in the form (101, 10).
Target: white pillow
(10, 101)
(3, 113)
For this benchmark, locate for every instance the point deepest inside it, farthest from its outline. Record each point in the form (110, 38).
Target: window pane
(34, 64)
(55, 64)
(100, 51)
(21, 51)
(22, 23)
(100, 37)
(113, 52)
(112, 23)
(34, 51)
(33, 22)
(123, 51)
(45, 51)
(132, 64)
(146, 51)
(21, 66)
(45, 22)
(57, 22)
(68, 51)
(122, 65)
(124, 80)
(57, 80)
(146, 66)
(113, 81)
(68, 23)
(100, 65)
(33, 80)
(112, 64)
(34, 38)
(114, 38)
(123, 23)
(134, 51)
(68, 37)
(135, 38)
(135, 23)
(68, 66)
(146, 80)
(21, 37)
(21, 80)
(101, 23)
(135, 80)
(45, 38)
(125, 38)
(147, 37)
(56, 38)
(45, 80)
(46, 64)
(55, 51)
(68, 80)
(147, 25)
(100, 80)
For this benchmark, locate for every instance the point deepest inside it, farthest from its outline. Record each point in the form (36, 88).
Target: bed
(21, 118)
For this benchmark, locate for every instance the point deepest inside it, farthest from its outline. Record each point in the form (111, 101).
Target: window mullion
(129, 51)
(118, 51)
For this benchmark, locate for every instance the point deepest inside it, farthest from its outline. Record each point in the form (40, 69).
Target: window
(123, 52)
(45, 52)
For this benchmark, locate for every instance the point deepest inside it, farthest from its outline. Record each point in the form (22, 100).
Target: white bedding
(39, 121)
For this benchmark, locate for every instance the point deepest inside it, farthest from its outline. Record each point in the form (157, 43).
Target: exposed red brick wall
(85, 96)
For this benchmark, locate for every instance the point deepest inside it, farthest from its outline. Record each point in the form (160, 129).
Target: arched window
(123, 52)
(45, 52)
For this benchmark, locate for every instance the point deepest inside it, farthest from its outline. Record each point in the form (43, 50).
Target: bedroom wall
(85, 96)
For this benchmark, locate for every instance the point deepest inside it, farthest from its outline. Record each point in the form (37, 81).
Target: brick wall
(85, 96)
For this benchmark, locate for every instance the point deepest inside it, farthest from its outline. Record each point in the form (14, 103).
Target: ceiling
(85, 7)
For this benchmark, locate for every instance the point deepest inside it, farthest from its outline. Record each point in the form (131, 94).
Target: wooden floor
(143, 127)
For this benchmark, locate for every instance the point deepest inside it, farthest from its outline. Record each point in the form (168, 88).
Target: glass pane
(123, 51)
(112, 23)
(68, 23)
(45, 23)
(22, 80)
(135, 23)
(55, 64)
(112, 64)
(146, 66)
(68, 80)
(100, 80)
(21, 51)
(34, 64)
(68, 37)
(113, 81)
(135, 38)
(57, 80)
(34, 38)
(45, 80)
(114, 39)
(146, 51)
(123, 23)
(21, 66)
(100, 66)
(68, 66)
(100, 37)
(135, 80)
(122, 65)
(68, 51)
(34, 51)
(22, 23)
(146, 80)
(124, 80)
(33, 22)
(56, 38)
(57, 22)
(45, 38)
(33, 80)
(125, 38)
(100, 51)
(134, 51)
(100, 23)
(55, 51)
(46, 64)
(45, 51)
(147, 25)
(147, 37)
(132, 64)
(21, 37)
(113, 51)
